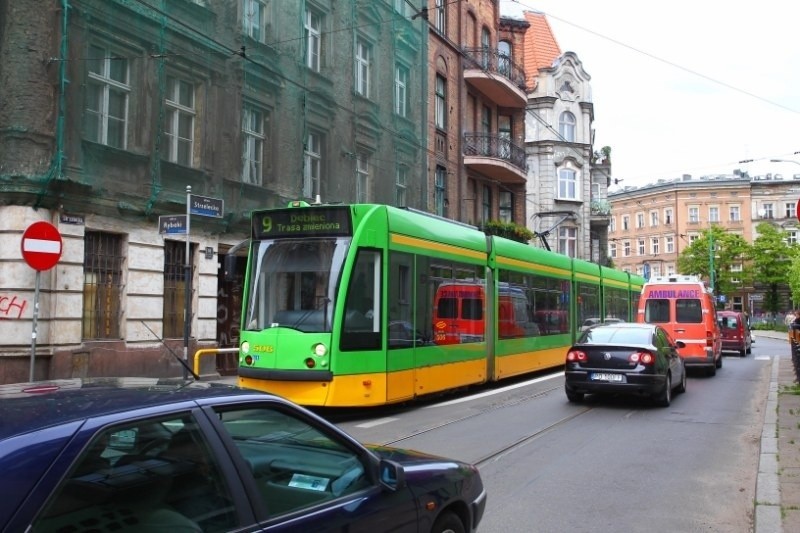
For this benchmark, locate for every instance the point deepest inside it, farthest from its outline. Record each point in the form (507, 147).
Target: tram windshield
(293, 283)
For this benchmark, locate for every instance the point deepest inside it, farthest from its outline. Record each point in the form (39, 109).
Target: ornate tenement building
(651, 225)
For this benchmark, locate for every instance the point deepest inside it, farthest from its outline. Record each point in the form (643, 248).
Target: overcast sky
(686, 87)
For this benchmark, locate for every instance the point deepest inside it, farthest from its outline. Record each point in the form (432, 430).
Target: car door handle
(680, 331)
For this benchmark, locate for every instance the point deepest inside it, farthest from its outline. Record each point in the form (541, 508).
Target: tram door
(402, 332)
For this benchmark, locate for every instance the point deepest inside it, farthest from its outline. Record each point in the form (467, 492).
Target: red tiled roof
(541, 47)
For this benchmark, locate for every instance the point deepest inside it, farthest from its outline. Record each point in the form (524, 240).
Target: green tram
(364, 305)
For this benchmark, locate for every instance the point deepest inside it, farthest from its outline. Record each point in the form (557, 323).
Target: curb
(768, 493)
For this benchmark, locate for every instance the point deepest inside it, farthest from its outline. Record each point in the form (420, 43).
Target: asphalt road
(610, 464)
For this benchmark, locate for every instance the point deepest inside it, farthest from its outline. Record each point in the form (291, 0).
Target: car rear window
(688, 311)
(617, 336)
(729, 322)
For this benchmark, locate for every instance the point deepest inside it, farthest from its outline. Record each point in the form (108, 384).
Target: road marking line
(378, 422)
(497, 391)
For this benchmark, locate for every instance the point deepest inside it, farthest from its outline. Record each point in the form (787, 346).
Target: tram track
(498, 452)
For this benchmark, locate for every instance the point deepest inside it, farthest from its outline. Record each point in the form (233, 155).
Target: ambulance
(684, 306)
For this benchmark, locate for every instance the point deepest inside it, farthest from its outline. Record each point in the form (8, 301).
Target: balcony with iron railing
(495, 156)
(496, 76)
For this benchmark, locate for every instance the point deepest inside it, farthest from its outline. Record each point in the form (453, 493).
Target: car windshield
(616, 336)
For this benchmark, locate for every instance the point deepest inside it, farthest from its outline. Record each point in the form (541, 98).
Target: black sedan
(142, 455)
(627, 358)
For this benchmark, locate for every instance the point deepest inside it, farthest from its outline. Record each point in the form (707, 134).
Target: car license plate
(603, 376)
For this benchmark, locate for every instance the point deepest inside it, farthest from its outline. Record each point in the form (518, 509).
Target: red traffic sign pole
(41, 246)
(41, 249)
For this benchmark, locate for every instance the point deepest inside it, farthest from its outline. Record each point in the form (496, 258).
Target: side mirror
(392, 475)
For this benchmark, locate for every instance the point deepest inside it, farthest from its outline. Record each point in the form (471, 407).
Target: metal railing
(493, 61)
(494, 145)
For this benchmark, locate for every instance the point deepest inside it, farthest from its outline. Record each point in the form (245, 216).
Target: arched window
(566, 126)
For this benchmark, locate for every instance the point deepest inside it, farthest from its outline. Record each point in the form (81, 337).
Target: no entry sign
(41, 245)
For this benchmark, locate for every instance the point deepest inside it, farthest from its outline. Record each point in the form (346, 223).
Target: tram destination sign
(307, 222)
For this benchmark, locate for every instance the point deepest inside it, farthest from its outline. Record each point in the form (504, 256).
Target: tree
(772, 263)
(794, 274)
(730, 251)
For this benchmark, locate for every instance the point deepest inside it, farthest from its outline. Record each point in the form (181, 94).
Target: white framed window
(506, 206)
(694, 215)
(253, 126)
(612, 249)
(734, 213)
(669, 243)
(312, 165)
(639, 220)
(441, 15)
(568, 241)
(791, 236)
(179, 123)
(313, 38)
(626, 222)
(440, 105)
(790, 210)
(668, 216)
(767, 210)
(640, 247)
(626, 248)
(713, 213)
(254, 19)
(402, 8)
(401, 90)
(107, 93)
(363, 54)
(401, 186)
(566, 126)
(613, 225)
(362, 177)
(653, 219)
(655, 245)
(567, 184)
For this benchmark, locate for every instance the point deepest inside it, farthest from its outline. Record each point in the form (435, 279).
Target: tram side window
(616, 303)
(361, 325)
(458, 295)
(531, 305)
(588, 302)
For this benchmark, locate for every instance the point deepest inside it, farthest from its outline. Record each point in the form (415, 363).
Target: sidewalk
(777, 504)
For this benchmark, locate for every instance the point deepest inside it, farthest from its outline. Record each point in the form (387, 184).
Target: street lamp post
(711, 259)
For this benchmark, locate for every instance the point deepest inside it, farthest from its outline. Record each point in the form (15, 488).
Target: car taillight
(577, 356)
(646, 358)
(709, 339)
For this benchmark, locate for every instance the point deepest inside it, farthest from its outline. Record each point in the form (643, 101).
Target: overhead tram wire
(661, 60)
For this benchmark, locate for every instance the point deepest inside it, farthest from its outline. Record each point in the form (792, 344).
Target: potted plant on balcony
(508, 230)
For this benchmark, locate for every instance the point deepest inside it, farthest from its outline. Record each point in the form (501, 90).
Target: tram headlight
(245, 347)
(320, 350)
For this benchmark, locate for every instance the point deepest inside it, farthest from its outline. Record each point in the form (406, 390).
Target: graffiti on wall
(12, 307)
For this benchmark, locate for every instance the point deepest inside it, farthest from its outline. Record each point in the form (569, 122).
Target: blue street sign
(205, 206)
(646, 271)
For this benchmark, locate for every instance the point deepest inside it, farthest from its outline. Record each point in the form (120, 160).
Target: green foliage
(772, 263)
(793, 276)
(730, 250)
(508, 230)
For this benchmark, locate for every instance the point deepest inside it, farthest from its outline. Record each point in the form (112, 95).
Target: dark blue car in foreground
(141, 455)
